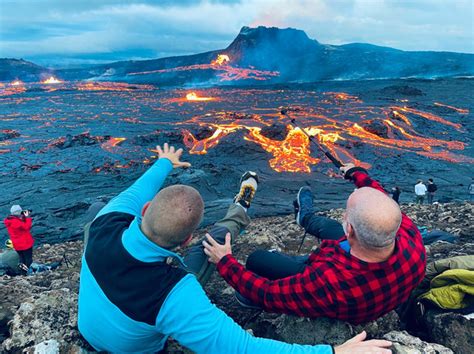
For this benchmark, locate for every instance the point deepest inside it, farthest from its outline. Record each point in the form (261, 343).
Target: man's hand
(358, 345)
(214, 250)
(169, 153)
(26, 213)
(346, 167)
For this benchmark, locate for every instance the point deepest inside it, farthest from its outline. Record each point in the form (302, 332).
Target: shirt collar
(141, 248)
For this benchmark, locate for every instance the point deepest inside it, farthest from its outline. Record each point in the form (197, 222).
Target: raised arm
(131, 200)
(188, 316)
(360, 177)
(302, 294)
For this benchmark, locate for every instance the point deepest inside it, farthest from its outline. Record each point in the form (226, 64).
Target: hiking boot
(244, 302)
(303, 204)
(248, 187)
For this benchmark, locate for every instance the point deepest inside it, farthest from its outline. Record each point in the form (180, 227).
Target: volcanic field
(64, 145)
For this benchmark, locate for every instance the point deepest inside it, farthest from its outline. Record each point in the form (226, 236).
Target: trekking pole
(330, 156)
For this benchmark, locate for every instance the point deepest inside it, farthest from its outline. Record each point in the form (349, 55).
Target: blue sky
(69, 32)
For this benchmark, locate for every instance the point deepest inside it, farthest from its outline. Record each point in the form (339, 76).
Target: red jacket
(336, 284)
(19, 232)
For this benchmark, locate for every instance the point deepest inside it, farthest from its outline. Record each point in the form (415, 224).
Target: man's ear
(145, 207)
(350, 232)
(187, 241)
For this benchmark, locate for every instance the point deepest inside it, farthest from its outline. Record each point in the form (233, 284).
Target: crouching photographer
(18, 225)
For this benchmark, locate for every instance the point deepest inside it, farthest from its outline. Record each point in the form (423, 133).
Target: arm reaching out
(131, 200)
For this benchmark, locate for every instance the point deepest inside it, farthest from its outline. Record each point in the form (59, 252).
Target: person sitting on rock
(9, 260)
(132, 297)
(362, 270)
(18, 225)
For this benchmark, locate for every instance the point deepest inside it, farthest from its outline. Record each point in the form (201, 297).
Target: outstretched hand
(346, 167)
(358, 345)
(216, 251)
(173, 155)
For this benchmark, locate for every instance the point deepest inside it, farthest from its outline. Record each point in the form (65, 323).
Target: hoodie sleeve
(188, 316)
(131, 200)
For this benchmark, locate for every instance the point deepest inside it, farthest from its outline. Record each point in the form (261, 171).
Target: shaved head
(374, 216)
(173, 215)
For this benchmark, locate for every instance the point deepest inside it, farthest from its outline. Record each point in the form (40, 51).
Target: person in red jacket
(363, 269)
(18, 225)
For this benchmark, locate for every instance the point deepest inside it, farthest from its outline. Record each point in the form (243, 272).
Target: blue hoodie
(186, 314)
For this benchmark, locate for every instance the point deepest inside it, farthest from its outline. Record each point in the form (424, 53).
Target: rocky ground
(38, 314)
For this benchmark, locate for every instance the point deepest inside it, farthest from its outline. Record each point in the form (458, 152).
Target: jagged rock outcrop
(39, 313)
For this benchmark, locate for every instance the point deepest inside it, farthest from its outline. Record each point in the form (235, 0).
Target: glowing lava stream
(192, 96)
(110, 144)
(52, 80)
(221, 64)
(289, 155)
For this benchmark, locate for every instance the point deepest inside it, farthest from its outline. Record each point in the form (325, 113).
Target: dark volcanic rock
(6, 134)
(452, 330)
(276, 131)
(376, 126)
(402, 90)
(42, 308)
(83, 139)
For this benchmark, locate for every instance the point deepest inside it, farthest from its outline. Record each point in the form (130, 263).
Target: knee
(255, 259)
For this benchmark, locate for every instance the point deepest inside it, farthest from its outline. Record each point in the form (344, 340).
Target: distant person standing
(432, 188)
(471, 190)
(396, 194)
(420, 191)
(18, 225)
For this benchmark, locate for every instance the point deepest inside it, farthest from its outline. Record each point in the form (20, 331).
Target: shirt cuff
(225, 263)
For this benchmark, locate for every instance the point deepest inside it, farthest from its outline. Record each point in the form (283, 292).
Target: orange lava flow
(200, 147)
(51, 80)
(429, 116)
(289, 155)
(459, 110)
(192, 96)
(222, 59)
(226, 72)
(111, 143)
(16, 83)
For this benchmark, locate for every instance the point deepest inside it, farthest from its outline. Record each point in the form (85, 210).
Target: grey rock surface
(40, 312)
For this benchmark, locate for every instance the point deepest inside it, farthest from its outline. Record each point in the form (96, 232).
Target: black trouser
(26, 256)
(275, 265)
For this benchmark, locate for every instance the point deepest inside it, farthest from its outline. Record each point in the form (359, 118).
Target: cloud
(103, 28)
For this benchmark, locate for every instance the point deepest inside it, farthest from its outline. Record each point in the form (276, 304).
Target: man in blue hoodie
(131, 298)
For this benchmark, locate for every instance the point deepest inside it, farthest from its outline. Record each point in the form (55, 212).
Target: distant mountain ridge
(290, 52)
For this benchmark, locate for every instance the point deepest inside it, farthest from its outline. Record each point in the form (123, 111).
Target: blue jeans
(275, 265)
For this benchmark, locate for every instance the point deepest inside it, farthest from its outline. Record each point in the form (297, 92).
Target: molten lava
(110, 144)
(391, 129)
(16, 83)
(459, 110)
(226, 72)
(51, 80)
(222, 59)
(289, 155)
(192, 96)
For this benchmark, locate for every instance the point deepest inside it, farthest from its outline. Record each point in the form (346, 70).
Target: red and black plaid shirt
(336, 284)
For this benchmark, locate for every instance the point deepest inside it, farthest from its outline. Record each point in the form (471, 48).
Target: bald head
(173, 215)
(374, 216)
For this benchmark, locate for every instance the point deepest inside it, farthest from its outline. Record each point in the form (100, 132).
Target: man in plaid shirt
(357, 277)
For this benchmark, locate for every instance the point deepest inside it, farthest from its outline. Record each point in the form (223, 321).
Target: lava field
(64, 145)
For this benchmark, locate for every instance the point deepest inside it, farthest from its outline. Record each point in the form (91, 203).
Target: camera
(26, 211)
